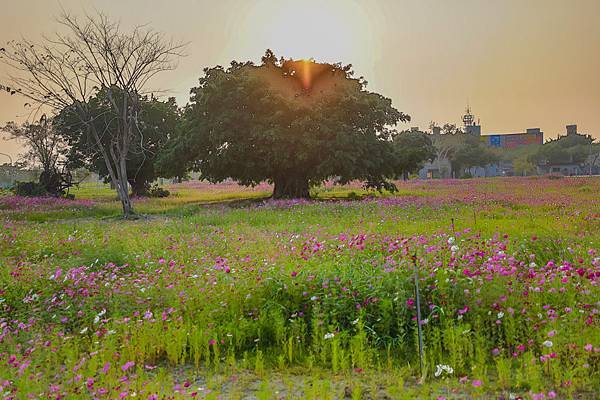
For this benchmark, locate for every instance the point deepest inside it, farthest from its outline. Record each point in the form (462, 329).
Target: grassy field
(219, 292)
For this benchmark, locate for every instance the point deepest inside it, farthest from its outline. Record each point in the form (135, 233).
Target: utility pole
(419, 328)
(590, 157)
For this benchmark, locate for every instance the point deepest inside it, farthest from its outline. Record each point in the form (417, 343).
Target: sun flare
(330, 31)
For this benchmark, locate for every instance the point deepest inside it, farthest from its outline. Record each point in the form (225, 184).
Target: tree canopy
(570, 149)
(45, 149)
(462, 150)
(471, 153)
(156, 123)
(413, 148)
(291, 123)
(94, 55)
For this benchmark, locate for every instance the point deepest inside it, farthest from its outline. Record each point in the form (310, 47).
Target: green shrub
(157, 191)
(30, 189)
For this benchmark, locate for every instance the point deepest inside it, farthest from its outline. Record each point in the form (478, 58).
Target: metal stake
(419, 330)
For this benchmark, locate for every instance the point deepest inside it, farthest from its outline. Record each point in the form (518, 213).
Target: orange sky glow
(518, 63)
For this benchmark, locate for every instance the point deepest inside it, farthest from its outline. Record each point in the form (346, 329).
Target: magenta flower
(127, 365)
(106, 368)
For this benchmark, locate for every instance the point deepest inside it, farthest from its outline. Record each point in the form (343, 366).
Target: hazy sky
(518, 63)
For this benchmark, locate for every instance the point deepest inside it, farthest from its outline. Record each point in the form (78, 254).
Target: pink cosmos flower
(127, 365)
(477, 383)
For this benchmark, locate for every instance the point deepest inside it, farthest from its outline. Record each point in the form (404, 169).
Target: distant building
(562, 169)
(470, 126)
(514, 140)
(591, 166)
(440, 168)
(503, 140)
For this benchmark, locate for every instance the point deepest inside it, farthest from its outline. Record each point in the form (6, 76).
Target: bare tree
(44, 149)
(94, 55)
(445, 140)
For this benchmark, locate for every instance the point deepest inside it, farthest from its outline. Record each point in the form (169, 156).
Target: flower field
(220, 293)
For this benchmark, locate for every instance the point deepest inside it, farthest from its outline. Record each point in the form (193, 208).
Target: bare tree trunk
(123, 184)
(115, 176)
(119, 156)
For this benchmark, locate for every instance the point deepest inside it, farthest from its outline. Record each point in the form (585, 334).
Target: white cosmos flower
(441, 368)
(500, 315)
(451, 240)
(84, 330)
(454, 248)
(547, 343)
(328, 336)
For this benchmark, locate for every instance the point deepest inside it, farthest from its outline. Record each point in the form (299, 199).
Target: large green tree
(471, 152)
(156, 122)
(413, 148)
(291, 123)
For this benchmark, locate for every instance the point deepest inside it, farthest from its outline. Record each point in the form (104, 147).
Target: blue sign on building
(496, 140)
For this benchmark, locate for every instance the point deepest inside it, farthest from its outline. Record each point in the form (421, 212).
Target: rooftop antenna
(468, 118)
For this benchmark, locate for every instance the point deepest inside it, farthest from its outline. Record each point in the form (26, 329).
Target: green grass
(173, 258)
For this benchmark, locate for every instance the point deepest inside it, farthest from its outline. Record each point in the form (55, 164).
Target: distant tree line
(464, 152)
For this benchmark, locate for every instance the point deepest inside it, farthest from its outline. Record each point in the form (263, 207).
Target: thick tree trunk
(118, 173)
(128, 212)
(291, 188)
(139, 187)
